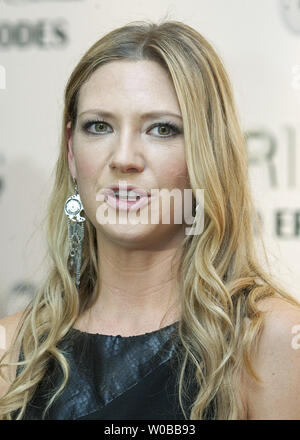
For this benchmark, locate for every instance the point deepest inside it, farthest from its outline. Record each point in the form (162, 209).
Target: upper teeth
(129, 195)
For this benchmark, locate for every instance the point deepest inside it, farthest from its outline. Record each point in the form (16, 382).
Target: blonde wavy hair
(220, 274)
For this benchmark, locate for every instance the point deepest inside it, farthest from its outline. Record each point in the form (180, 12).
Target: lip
(123, 187)
(126, 205)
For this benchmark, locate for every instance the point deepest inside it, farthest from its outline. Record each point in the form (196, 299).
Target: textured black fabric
(150, 399)
(115, 378)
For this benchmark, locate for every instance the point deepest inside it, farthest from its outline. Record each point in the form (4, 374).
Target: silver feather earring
(73, 208)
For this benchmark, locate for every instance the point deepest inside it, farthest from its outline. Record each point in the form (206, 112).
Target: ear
(71, 158)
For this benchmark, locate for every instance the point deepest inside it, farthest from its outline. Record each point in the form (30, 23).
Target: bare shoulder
(9, 326)
(8, 329)
(277, 363)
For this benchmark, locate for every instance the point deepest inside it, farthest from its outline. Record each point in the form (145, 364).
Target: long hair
(220, 274)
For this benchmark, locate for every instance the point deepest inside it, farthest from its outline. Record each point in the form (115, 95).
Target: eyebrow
(146, 115)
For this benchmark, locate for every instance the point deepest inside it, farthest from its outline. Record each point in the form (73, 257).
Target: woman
(144, 320)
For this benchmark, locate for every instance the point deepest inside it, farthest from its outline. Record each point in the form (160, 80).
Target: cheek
(175, 173)
(88, 168)
(86, 165)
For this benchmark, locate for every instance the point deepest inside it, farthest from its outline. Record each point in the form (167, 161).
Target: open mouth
(127, 200)
(128, 197)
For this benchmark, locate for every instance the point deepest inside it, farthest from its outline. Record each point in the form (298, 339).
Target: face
(116, 139)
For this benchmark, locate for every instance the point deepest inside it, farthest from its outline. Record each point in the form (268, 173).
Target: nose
(127, 155)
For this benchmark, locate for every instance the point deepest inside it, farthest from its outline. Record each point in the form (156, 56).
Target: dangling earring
(73, 208)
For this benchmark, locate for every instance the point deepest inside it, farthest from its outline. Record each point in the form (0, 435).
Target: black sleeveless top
(116, 378)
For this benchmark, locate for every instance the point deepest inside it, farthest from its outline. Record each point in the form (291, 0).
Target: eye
(165, 129)
(99, 124)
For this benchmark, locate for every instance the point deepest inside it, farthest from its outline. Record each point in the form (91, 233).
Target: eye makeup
(173, 127)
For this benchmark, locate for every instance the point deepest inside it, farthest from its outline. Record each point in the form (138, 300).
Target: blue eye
(100, 124)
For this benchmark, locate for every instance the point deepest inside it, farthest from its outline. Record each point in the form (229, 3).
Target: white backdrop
(40, 43)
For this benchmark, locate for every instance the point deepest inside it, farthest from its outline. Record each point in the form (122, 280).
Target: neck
(138, 289)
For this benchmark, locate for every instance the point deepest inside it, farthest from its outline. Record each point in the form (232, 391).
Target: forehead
(119, 82)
